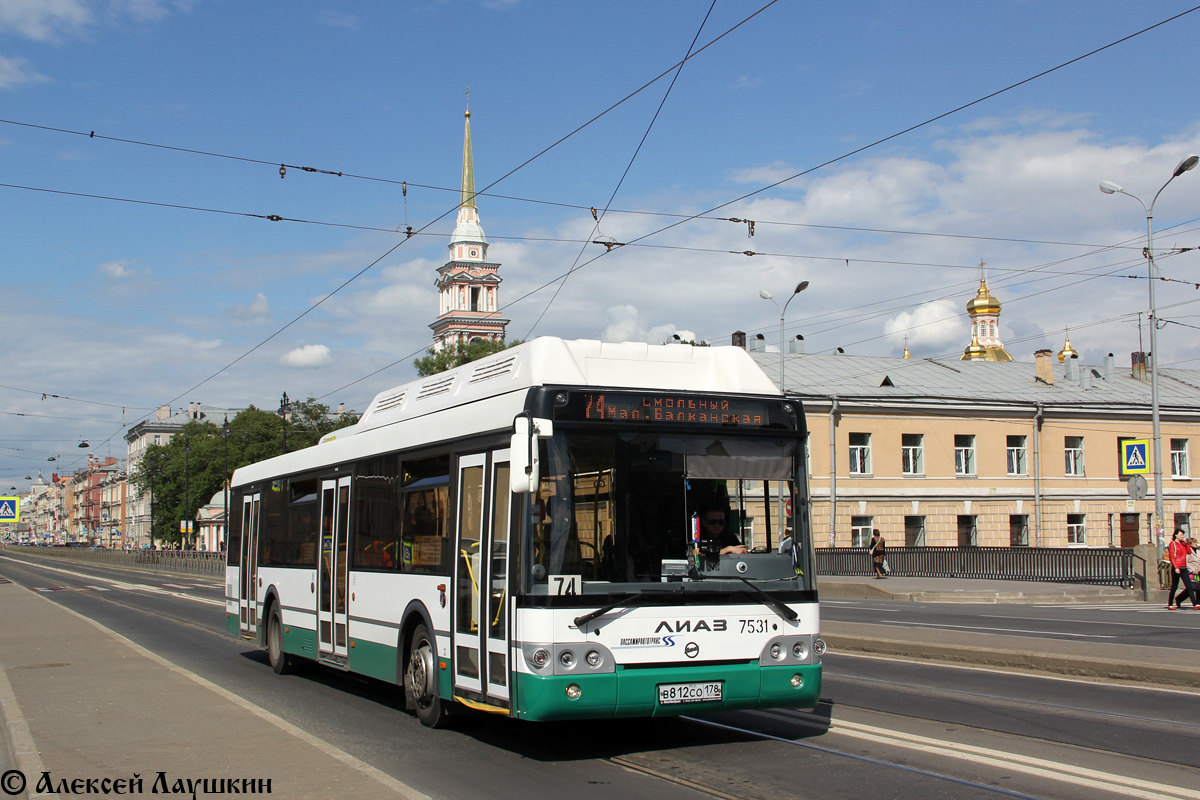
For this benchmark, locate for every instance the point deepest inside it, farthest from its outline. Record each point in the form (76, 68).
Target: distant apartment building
(165, 424)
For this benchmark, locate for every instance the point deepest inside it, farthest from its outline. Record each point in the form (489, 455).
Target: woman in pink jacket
(1177, 553)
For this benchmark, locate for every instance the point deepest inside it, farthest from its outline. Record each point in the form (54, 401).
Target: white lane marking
(1106, 623)
(999, 630)
(1038, 767)
(1062, 772)
(133, 587)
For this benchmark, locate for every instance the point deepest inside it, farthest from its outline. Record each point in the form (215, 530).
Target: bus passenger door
(481, 615)
(333, 569)
(248, 606)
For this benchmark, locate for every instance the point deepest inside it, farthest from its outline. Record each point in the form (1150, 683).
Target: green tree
(187, 471)
(458, 354)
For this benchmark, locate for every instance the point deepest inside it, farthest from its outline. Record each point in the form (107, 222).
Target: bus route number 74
(565, 584)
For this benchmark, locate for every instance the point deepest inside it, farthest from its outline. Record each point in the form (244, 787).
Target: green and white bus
(519, 536)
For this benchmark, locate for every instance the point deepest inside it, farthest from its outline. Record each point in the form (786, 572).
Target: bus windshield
(617, 511)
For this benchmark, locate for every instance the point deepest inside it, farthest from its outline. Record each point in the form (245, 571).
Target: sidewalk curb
(1074, 665)
(829, 589)
(29, 756)
(18, 739)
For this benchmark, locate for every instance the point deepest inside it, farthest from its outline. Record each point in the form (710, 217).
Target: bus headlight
(776, 651)
(540, 657)
(799, 651)
(819, 647)
(592, 658)
(797, 680)
(567, 659)
(573, 691)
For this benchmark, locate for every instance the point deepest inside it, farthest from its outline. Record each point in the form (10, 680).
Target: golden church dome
(1067, 351)
(974, 351)
(983, 302)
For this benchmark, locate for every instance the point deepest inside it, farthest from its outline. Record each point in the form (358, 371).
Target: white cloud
(16, 72)
(257, 311)
(934, 328)
(308, 357)
(116, 270)
(338, 19)
(625, 325)
(44, 20)
(764, 174)
(55, 20)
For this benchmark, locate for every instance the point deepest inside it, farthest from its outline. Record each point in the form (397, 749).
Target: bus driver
(715, 533)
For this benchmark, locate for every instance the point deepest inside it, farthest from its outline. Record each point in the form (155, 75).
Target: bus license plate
(672, 693)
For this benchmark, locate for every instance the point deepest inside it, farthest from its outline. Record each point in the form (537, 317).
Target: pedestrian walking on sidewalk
(878, 553)
(1178, 552)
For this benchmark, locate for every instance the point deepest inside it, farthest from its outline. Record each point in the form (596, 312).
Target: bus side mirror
(523, 451)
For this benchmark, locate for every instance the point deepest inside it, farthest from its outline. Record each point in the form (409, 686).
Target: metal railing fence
(190, 562)
(1101, 566)
(1111, 566)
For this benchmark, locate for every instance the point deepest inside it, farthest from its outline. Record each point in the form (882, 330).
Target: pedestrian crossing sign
(10, 509)
(1133, 457)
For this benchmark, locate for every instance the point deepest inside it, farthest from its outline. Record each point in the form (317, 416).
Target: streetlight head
(765, 295)
(800, 287)
(1108, 187)
(1186, 165)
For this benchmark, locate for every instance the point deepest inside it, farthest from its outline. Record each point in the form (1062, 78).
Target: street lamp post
(225, 486)
(765, 295)
(151, 463)
(187, 493)
(285, 408)
(1108, 187)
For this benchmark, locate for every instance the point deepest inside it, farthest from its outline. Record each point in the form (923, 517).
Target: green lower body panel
(634, 692)
(299, 641)
(373, 659)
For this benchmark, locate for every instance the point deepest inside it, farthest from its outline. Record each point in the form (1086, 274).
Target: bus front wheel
(281, 662)
(419, 680)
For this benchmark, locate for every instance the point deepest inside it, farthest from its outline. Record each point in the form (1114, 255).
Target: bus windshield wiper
(628, 600)
(784, 611)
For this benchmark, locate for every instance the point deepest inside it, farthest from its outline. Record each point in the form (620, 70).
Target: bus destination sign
(649, 407)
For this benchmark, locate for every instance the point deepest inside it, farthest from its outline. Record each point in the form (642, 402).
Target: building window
(1076, 530)
(964, 454)
(860, 531)
(1017, 456)
(157, 439)
(1183, 522)
(914, 531)
(968, 533)
(1018, 527)
(1074, 455)
(912, 453)
(860, 454)
(1179, 458)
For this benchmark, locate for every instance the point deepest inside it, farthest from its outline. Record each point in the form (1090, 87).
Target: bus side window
(425, 532)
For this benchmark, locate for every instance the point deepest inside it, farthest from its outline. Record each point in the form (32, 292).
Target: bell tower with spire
(468, 284)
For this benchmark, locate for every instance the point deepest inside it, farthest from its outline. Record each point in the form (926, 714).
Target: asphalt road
(1142, 624)
(886, 727)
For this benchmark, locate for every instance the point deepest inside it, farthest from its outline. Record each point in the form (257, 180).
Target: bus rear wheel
(281, 662)
(419, 681)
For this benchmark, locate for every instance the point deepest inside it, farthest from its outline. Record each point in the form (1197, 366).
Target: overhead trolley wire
(645, 135)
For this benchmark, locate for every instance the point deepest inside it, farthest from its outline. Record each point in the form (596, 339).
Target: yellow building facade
(988, 453)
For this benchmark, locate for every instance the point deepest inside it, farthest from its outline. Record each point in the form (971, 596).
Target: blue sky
(133, 305)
